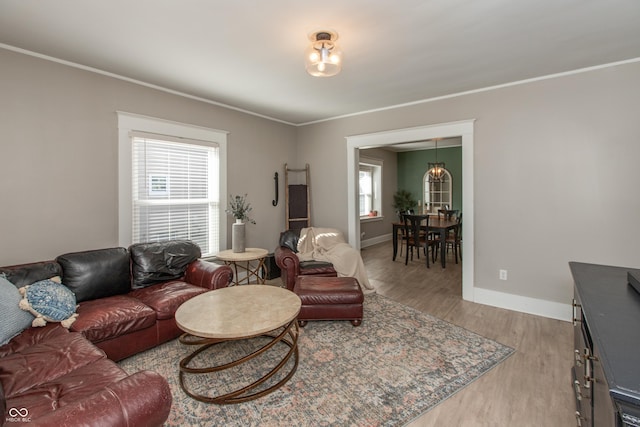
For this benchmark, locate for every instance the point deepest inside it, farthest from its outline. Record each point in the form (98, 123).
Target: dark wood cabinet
(606, 371)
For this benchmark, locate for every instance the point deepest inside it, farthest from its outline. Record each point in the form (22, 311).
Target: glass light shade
(323, 57)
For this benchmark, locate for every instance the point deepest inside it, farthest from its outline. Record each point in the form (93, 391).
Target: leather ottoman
(329, 298)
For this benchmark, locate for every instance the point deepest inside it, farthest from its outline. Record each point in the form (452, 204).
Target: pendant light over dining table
(436, 169)
(323, 57)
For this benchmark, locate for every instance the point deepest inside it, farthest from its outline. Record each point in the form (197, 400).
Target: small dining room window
(370, 187)
(437, 194)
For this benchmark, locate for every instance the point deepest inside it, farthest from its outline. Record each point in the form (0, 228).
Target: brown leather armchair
(291, 267)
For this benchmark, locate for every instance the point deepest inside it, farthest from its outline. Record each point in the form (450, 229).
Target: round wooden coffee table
(239, 313)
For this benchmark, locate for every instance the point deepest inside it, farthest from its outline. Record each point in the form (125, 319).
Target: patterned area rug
(398, 364)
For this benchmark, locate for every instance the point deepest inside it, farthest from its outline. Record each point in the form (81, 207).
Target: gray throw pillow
(14, 319)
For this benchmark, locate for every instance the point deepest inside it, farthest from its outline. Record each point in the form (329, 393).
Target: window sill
(371, 218)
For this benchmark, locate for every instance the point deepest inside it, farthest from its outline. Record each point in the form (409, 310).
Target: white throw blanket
(328, 244)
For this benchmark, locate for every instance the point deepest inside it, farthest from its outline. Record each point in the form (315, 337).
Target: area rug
(398, 364)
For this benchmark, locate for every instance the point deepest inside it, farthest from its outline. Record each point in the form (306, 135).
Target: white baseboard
(375, 240)
(550, 309)
(539, 307)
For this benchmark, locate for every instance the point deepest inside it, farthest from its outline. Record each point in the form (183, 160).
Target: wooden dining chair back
(401, 233)
(447, 214)
(455, 239)
(417, 237)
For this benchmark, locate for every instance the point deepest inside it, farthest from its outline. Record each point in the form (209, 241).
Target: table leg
(288, 336)
(395, 242)
(234, 266)
(258, 270)
(255, 272)
(250, 272)
(443, 247)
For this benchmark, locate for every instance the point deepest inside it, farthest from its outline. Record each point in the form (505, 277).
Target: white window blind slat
(175, 194)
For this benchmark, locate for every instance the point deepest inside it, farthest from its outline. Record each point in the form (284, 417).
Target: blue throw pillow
(14, 320)
(49, 301)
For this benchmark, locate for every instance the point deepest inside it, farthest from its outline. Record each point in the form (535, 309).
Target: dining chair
(454, 239)
(401, 238)
(447, 214)
(417, 237)
(401, 234)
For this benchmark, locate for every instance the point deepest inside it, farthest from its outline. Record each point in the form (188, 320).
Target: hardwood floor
(531, 388)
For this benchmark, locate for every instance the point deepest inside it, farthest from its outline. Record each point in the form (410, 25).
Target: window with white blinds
(175, 190)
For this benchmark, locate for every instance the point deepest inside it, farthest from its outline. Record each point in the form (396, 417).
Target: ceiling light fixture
(323, 57)
(436, 169)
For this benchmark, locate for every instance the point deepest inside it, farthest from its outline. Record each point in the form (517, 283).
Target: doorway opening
(462, 129)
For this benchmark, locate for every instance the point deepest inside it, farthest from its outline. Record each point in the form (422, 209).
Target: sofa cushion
(165, 298)
(289, 239)
(157, 262)
(69, 388)
(14, 319)
(96, 274)
(318, 268)
(3, 401)
(30, 337)
(45, 361)
(110, 317)
(328, 290)
(26, 274)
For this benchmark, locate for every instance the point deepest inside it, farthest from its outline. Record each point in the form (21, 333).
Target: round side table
(250, 261)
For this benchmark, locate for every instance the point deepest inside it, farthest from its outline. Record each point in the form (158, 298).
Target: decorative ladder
(297, 200)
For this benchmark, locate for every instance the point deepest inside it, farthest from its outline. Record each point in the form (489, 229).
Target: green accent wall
(412, 165)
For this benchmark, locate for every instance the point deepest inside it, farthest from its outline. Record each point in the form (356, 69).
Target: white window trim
(129, 122)
(464, 129)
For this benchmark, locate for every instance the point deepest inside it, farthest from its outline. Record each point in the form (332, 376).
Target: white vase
(237, 237)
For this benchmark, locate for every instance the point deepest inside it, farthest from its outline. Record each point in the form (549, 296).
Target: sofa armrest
(208, 275)
(289, 265)
(142, 399)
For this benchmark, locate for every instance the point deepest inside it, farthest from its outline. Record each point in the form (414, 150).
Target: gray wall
(59, 142)
(555, 178)
(378, 227)
(413, 165)
(555, 166)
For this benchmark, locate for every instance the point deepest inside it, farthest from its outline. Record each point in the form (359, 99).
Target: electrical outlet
(503, 274)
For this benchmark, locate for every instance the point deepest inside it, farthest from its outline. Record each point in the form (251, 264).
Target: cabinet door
(583, 405)
(604, 414)
(582, 384)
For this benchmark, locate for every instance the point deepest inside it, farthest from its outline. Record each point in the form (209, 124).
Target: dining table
(436, 225)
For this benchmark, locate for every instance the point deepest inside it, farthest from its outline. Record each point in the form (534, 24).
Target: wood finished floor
(531, 388)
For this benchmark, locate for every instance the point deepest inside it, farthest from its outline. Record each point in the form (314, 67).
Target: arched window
(437, 193)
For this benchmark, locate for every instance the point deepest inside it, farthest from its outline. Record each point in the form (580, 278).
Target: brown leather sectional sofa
(126, 304)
